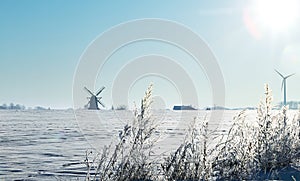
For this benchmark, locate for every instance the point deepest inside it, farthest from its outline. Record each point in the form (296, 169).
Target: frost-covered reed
(191, 159)
(129, 159)
(260, 149)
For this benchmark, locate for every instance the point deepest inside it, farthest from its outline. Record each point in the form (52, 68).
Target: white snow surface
(51, 144)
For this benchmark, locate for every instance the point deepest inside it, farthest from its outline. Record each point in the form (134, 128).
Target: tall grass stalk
(261, 148)
(191, 160)
(253, 149)
(130, 159)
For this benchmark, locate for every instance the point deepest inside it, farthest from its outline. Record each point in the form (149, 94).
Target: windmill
(94, 100)
(283, 85)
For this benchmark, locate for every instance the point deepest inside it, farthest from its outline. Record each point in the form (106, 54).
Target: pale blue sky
(41, 43)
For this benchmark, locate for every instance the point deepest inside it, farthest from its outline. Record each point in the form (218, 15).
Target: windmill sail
(88, 91)
(101, 103)
(102, 88)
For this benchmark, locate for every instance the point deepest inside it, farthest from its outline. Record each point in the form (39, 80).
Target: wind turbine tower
(283, 85)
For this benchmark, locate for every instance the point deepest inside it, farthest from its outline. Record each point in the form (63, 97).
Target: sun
(277, 15)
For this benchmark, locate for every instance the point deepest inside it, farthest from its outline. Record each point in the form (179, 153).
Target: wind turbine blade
(88, 91)
(289, 75)
(102, 88)
(101, 103)
(282, 85)
(279, 73)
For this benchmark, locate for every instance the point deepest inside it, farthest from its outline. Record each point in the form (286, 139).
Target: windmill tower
(283, 85)
(94, 100)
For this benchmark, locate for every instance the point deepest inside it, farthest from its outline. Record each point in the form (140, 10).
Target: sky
(42, 42)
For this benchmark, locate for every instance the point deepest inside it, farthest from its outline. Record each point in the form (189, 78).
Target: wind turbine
(94, 99)
(283, 85)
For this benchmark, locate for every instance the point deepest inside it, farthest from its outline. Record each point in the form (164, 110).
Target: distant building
(183, 108)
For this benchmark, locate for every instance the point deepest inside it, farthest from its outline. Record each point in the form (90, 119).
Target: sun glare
(278, 15)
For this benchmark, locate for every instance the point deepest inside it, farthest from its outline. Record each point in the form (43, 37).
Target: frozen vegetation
(267, 147)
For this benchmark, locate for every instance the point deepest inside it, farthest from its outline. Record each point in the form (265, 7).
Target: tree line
(13, 106)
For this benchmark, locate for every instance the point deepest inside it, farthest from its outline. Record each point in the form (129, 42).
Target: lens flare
(278, 15)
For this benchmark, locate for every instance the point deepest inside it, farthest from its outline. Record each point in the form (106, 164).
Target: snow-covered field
(51, 144)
